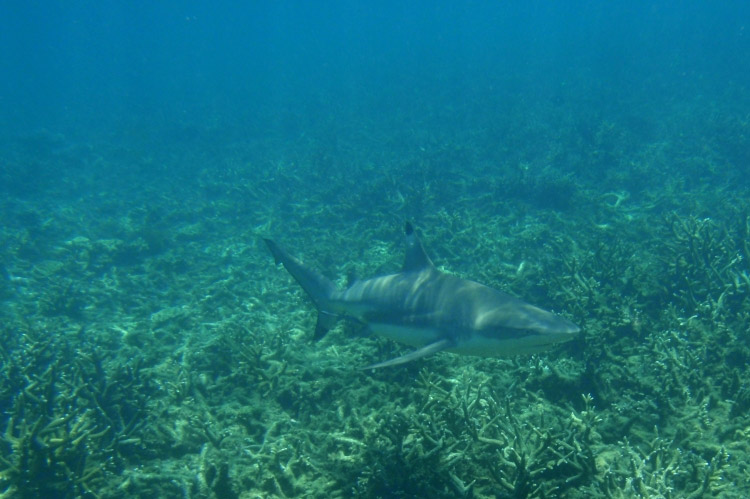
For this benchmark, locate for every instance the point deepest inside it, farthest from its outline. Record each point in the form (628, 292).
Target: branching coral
(69, 424)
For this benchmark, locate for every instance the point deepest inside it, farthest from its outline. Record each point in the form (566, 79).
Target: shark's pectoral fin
(416, 354)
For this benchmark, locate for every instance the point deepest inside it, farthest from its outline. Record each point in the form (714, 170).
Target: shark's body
(431, 310)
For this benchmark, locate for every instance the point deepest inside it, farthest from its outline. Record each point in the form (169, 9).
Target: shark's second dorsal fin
(416, 258)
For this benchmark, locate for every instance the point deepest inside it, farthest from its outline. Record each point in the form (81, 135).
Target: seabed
(150, 348)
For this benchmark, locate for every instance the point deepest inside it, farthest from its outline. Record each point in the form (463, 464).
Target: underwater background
(591, 158)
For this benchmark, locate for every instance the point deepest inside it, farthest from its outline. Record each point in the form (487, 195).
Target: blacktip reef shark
(429, 309)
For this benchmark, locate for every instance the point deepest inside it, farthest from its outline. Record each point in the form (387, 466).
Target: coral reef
(66, 425)
(149, 349)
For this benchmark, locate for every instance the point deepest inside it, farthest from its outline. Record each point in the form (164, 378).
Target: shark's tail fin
(319, 288)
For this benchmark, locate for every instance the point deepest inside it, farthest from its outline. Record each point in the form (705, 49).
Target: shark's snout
(568, 327)
(563, 330)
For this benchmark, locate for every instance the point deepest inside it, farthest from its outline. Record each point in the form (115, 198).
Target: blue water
(589, 157)
(97, 67)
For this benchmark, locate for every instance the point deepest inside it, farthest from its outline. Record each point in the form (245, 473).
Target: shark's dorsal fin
(416, 258)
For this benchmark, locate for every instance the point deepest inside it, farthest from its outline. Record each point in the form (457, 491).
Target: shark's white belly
(476, 344)
(486, 346)
(415, 337)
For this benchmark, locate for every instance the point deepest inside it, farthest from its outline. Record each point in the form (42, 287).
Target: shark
(429, 309)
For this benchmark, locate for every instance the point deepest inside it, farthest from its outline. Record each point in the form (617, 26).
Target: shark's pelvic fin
(416, 354)
(416, 257)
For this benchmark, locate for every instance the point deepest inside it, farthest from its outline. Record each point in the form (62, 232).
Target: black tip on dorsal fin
(416, 258)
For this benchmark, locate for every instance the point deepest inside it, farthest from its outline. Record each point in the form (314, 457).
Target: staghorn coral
(467, 441)
(68, 425)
